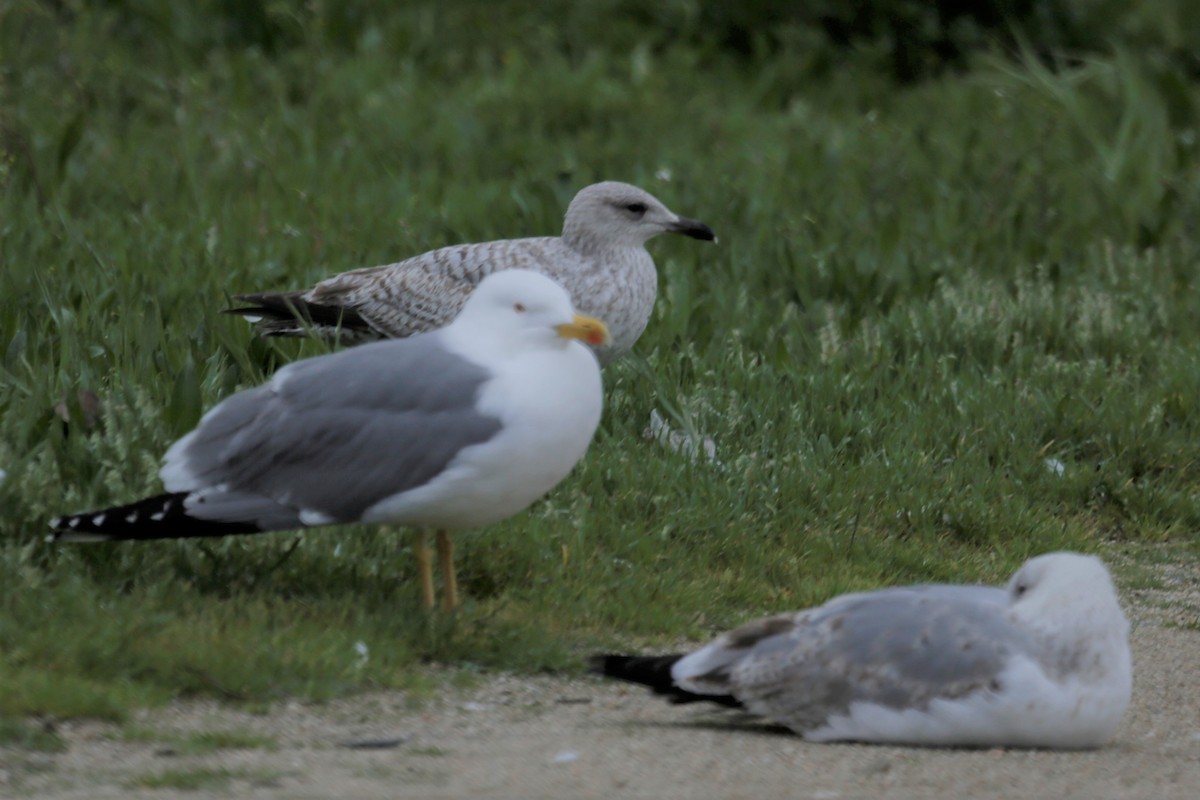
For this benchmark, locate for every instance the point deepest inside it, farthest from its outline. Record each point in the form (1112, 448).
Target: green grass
(920, 295)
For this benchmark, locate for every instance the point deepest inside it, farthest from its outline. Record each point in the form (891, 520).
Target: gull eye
(1020, 589)
(519, 308)
(636, 208)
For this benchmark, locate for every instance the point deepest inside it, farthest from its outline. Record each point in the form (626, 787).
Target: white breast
(549, 404)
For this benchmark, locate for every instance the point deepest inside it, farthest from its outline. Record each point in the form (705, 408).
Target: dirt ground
(535, 737)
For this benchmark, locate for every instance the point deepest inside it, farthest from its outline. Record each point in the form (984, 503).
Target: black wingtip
(606, 664)
(653, 672)
(288, 313)
(162, 516)
(65, 535)
(244, 311)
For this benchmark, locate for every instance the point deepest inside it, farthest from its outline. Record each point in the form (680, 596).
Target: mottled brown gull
(1045, 663)
(600, 259)
(456, 428)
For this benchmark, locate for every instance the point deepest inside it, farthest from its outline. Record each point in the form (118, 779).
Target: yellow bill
(586, 329)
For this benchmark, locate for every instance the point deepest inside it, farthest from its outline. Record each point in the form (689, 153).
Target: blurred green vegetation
(951, 321)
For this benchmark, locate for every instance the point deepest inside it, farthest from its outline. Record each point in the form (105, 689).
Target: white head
(614, 214)
(520, 307)
(1068, 604)
(1065, 586)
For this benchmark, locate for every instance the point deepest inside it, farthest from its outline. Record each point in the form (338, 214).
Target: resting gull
(600, 259)
(457, 428)
(1043, 664)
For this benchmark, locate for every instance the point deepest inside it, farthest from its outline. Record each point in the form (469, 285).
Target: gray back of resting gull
(457, 428)
(1045, 663)
(600, 259)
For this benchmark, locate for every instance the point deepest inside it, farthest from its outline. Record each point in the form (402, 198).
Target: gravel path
(522, 737)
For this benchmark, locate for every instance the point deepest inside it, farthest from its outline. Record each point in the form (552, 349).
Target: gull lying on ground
(1045, 663)
(457, 428)
(600, 259)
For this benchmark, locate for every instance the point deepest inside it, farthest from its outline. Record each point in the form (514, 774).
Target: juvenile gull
(457, 428)
(600, 259)
(1044, 664)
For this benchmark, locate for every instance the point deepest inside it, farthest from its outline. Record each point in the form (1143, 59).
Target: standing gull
(1044, 664)
(457, 428)
(600, 259)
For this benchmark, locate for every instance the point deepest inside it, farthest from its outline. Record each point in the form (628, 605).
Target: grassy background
(927, 295)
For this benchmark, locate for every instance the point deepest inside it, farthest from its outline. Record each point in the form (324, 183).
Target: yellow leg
(424, 568)
(449, 580)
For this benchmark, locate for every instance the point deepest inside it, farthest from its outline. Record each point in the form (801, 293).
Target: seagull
(600, 259)
(1043, 663)
(457, 428)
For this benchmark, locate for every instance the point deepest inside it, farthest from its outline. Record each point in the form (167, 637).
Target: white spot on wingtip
(73, 522)
(56, 522)
(131, 517)
(98, 520)
(158, 516)
(315, 518)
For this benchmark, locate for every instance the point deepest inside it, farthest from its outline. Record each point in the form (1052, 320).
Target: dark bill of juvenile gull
(600, 259)
(1044, 663)
(457, 428)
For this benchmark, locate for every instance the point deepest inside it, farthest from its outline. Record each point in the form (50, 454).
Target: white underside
(549, 403)
(1029, 711)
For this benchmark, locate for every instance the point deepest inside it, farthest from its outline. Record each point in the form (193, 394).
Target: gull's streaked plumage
(456, 428)
(600, 259)
(1045, 663)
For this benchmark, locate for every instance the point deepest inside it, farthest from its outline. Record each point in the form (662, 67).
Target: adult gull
(1044, 663)
(600, 259)
(456, 428)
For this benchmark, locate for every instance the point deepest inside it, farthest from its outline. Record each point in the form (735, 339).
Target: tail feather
(654, 672)
(290, 314)
(160, 517)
